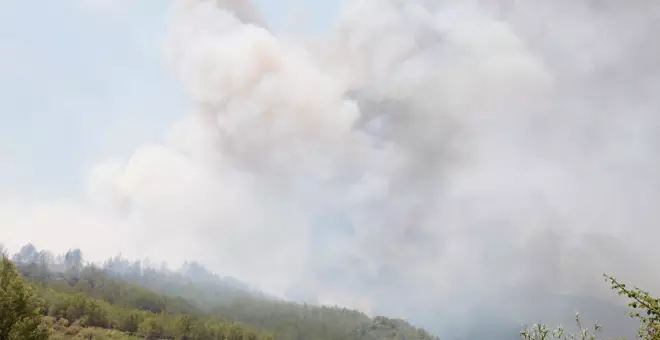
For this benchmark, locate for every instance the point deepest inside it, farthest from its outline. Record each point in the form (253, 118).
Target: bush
(73, 330)
(543, 332)
(649, 328)
(645, 308)
(21, 312)
(150, 329)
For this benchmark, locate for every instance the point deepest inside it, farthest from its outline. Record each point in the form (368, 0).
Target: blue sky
(85, 80)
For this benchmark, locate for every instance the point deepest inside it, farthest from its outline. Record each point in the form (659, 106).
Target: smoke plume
(421, 154)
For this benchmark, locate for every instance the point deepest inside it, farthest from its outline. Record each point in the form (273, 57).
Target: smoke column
(422, 156)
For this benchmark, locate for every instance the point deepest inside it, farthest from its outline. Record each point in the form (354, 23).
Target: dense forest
(47, 297)
(126, 300)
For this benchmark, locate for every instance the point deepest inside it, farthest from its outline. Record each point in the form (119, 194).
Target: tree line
(140, 301)
(44, 296)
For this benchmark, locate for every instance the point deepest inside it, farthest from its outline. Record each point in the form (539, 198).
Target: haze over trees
(65, 298)
(131, 297)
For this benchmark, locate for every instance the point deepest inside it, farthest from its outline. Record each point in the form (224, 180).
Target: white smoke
(421, 152)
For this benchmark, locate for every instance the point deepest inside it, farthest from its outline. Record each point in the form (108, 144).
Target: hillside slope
(153, 303)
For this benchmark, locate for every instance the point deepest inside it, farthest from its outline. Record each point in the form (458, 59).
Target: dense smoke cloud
(424, 153)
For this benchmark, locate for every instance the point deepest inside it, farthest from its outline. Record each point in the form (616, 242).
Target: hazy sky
(84, 80)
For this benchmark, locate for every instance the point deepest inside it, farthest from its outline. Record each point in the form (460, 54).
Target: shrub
(645, 308)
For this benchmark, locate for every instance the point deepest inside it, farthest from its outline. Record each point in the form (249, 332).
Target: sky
(86, 80)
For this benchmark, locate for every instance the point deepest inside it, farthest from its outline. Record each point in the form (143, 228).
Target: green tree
(95, 315)
(183, 328)
(20, 313)
(235, 332)
(151, 329)
(129, 322)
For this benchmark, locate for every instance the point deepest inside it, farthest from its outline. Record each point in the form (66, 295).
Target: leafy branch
(650, 322)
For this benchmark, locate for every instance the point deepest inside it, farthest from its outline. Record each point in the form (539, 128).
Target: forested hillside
(131, 299)
(78, 301)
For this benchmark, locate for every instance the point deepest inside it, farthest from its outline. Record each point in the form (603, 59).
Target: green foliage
(20, 312)
(383, 328)
(233, 301)
(83, 311)
(542, 332)
(128, 322)
(157, 304)
(184, 326)
(90, 333)
(151, 328)
(641, 300)
(93, 282)
(86, 302)
(71, 311)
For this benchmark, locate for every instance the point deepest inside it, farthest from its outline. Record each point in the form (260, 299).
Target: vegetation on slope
(86, 302)
(80, 301)
(20, 310)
